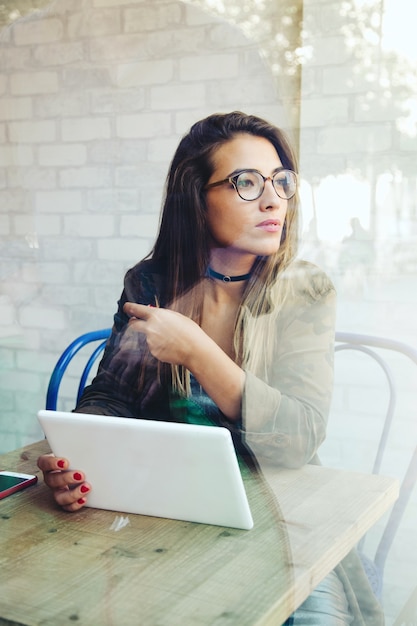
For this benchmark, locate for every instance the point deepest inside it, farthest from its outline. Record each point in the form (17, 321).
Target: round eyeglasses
(250, 184)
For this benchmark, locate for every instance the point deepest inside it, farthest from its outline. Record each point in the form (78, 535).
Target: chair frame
(64, 360)
(367, 344)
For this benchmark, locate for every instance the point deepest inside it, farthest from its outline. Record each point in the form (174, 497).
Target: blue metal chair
(64, 360)
(368, 345)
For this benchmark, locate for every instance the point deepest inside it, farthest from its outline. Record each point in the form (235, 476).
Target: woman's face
(241, 230)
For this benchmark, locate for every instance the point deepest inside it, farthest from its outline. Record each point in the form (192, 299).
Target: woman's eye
(282, 181)
(245, 182)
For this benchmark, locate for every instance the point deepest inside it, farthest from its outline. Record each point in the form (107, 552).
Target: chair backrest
(65, 359)
(373, 347)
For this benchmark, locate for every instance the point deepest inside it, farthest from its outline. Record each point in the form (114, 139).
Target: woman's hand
(68, 487)
(170, 335)
(176, 339)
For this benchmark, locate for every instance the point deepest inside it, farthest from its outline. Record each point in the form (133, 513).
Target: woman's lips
(271, 226)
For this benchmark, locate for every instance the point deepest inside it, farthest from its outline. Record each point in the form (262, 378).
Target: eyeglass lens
(250, 185)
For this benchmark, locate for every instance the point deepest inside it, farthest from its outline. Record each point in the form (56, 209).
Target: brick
(36, 31)
(145, 125)
(4, 225)
(66, 249)
(408, 142)
(184, 119)
(7, 314)
(7, 398)
(89, 225)
(15, 108)
(143, 225)
(99, 272)
(85, 78)
(130, 250)
(62, 54)
(113, 200)
(94, 23)
(162, 148)
(87, 318)
(23, 224)
(161, 44)
(329, 51)
(12, 200)
(65, 295)
(178, 96)
(48, 225)
(62, 155)
(106, 297)
(27, 404)
(18, 381)
(32, 132)
(15, 58)
(9, 440)
(119, 47)
(150, 18)
(375, 108)
(116, 151)
(144, 176)
(31, 178)
(357, 138)
(85, 129)
(86, 177)
(223, 32)
(323, 111)
(244, 93)
(120, 101)
(110, 3)
(58, 201)
(196, 16)
(61, 106)
(32, 83)
(53, 273)
(215, 66)
(32, 360)
(337, 80)
(144, 73)
(11, 155)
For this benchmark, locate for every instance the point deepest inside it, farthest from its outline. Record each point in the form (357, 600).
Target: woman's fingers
(68, 487)
(72, 499)
(51, 463)
(138, 311)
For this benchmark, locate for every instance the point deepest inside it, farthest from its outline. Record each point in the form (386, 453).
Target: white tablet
(164, 469)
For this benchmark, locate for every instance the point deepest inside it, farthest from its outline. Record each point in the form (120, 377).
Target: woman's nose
(269, 198)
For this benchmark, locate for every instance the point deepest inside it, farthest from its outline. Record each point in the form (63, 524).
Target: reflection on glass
(94, 101)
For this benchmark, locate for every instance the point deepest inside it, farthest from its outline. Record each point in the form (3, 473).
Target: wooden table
(59, 568)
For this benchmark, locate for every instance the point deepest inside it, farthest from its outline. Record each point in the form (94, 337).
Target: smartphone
(12, 481)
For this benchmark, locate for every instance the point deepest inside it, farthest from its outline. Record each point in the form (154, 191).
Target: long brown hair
(182, 244)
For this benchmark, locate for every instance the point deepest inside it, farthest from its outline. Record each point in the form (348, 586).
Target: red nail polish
(77, 476)
(84, 489)
(61, 463)
(81, 501)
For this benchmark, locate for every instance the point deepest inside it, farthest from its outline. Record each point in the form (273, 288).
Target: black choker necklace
(227, 279)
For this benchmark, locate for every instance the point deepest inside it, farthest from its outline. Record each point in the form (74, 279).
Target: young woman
(221, 325)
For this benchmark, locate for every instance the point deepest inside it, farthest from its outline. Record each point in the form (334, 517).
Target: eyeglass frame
(233, 181)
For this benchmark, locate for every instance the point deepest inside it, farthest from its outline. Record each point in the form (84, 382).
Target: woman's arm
(285, 420)
(174, 338)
